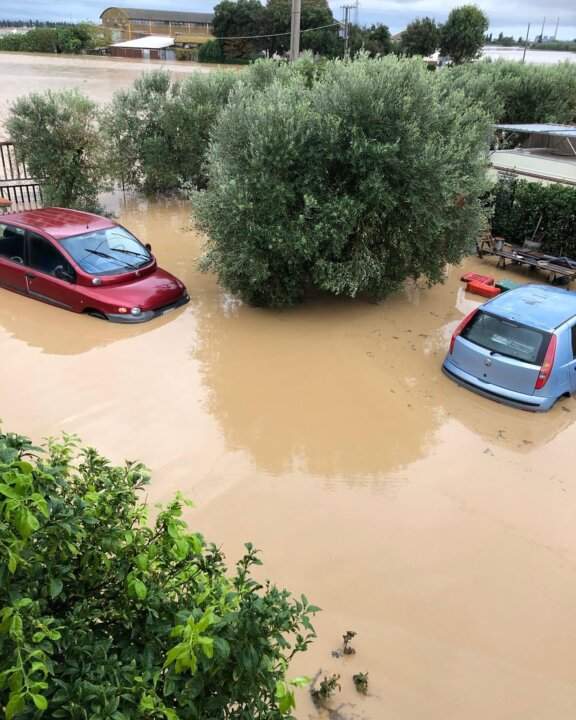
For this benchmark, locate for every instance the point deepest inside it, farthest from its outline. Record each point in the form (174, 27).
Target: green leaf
(15, 705)
(40, 701)
(140, 589)
(9, 492)
(55, 587)
(301, 681)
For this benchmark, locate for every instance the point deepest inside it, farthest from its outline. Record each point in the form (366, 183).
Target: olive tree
(105, 616)
(57, 135)
(354, 183)
(157, 131)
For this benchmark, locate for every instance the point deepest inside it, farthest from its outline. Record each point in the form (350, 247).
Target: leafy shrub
(523, 208)
(57, 135)
(186, 54)
(211, 52)
(515, 93)
(355, 183)
(158, 130)
(105, 617)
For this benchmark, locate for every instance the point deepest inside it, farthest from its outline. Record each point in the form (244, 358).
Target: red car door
(12, 253)
(49, 275)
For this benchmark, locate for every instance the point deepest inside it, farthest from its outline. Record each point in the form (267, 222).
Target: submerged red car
(85, 263)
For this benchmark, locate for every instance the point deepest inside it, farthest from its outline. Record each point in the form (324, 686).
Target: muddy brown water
(436, 524)
(97, 77)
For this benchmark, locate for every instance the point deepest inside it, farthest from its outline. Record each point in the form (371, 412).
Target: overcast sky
(509, 16)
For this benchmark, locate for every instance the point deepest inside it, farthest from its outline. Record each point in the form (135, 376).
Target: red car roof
(58, 222)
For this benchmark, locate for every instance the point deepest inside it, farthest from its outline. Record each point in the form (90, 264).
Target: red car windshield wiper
(131, 252)
(123, 263)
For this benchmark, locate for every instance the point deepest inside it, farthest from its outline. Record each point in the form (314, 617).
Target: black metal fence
(16, 184)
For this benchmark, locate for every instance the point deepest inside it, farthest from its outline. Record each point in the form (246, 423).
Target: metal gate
(16, 184)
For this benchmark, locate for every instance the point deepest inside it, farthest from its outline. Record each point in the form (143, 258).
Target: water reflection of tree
(316, 389)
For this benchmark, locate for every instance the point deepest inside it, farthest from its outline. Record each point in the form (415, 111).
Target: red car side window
(45, 257)
(12, 243)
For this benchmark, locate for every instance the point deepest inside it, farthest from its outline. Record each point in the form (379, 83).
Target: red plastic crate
(475, 277)
(479, 288)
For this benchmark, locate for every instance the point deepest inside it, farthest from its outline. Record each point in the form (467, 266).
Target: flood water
(532, 57)
(436, 524)
(97, 77)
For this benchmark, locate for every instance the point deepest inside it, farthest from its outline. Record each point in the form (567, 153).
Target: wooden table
(517, 256)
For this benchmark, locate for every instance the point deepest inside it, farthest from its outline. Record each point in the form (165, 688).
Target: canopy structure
(545, 152)
(150, 42)
(540, 129)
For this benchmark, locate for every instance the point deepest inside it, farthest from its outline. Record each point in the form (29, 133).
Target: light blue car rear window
(507, 338)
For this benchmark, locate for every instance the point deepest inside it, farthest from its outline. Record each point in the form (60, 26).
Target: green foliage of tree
(56, 133)
(522, 208)
(314, 14)
(103, 616)
(365, 178)
(211, 52)
(240, 19)
(462, 36)
(378, 40)
(515, 93)
(60, 39)
(421, 37)
(158, 130)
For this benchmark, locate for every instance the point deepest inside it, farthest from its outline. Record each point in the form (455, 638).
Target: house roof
(541, 129)
(150, 42)
(163, 15)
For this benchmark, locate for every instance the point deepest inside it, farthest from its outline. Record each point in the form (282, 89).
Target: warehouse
(186, 27)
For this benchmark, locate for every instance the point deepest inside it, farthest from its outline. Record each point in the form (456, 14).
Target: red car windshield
(107, 252)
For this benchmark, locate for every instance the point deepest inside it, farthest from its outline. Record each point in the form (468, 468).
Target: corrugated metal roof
(541, 129)
(164, 15)
(150, 42)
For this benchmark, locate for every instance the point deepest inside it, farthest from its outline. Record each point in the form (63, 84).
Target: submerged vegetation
(103, 615)
(344, 177)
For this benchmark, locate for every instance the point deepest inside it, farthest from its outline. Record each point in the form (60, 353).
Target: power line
(255, 37)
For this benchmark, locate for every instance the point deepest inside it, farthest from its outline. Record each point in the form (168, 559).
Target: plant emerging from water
(348, 636)
(361, 682)
(58, 137)
(103, 616)
(327, 687)
(352, 184)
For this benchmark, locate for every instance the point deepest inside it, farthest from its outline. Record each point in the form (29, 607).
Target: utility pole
(347, 9)
(295, 31)
(542, 31)
(556, 31)
(526, 44)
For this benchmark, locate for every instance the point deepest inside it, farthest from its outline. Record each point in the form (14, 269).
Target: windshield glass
(107, 252)
(507, 338)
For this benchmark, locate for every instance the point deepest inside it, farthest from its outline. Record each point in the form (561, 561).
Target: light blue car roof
(539, 306)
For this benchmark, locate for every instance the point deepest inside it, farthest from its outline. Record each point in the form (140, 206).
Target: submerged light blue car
(519, 348)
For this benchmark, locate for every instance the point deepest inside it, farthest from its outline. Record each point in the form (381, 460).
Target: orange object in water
(475, 277)
(480, 288)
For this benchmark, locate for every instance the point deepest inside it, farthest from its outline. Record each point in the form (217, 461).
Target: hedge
(524, 209)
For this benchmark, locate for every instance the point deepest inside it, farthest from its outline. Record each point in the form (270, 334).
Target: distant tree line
(31, 23)
(61, 38)
(247, 29)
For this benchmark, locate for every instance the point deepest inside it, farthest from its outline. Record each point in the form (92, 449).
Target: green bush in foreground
(355, 182)
(105, 617)
(56, 133)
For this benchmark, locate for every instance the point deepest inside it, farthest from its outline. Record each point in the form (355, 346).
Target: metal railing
(16, 184)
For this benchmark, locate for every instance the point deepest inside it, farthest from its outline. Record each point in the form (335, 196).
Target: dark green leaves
(107, 618)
